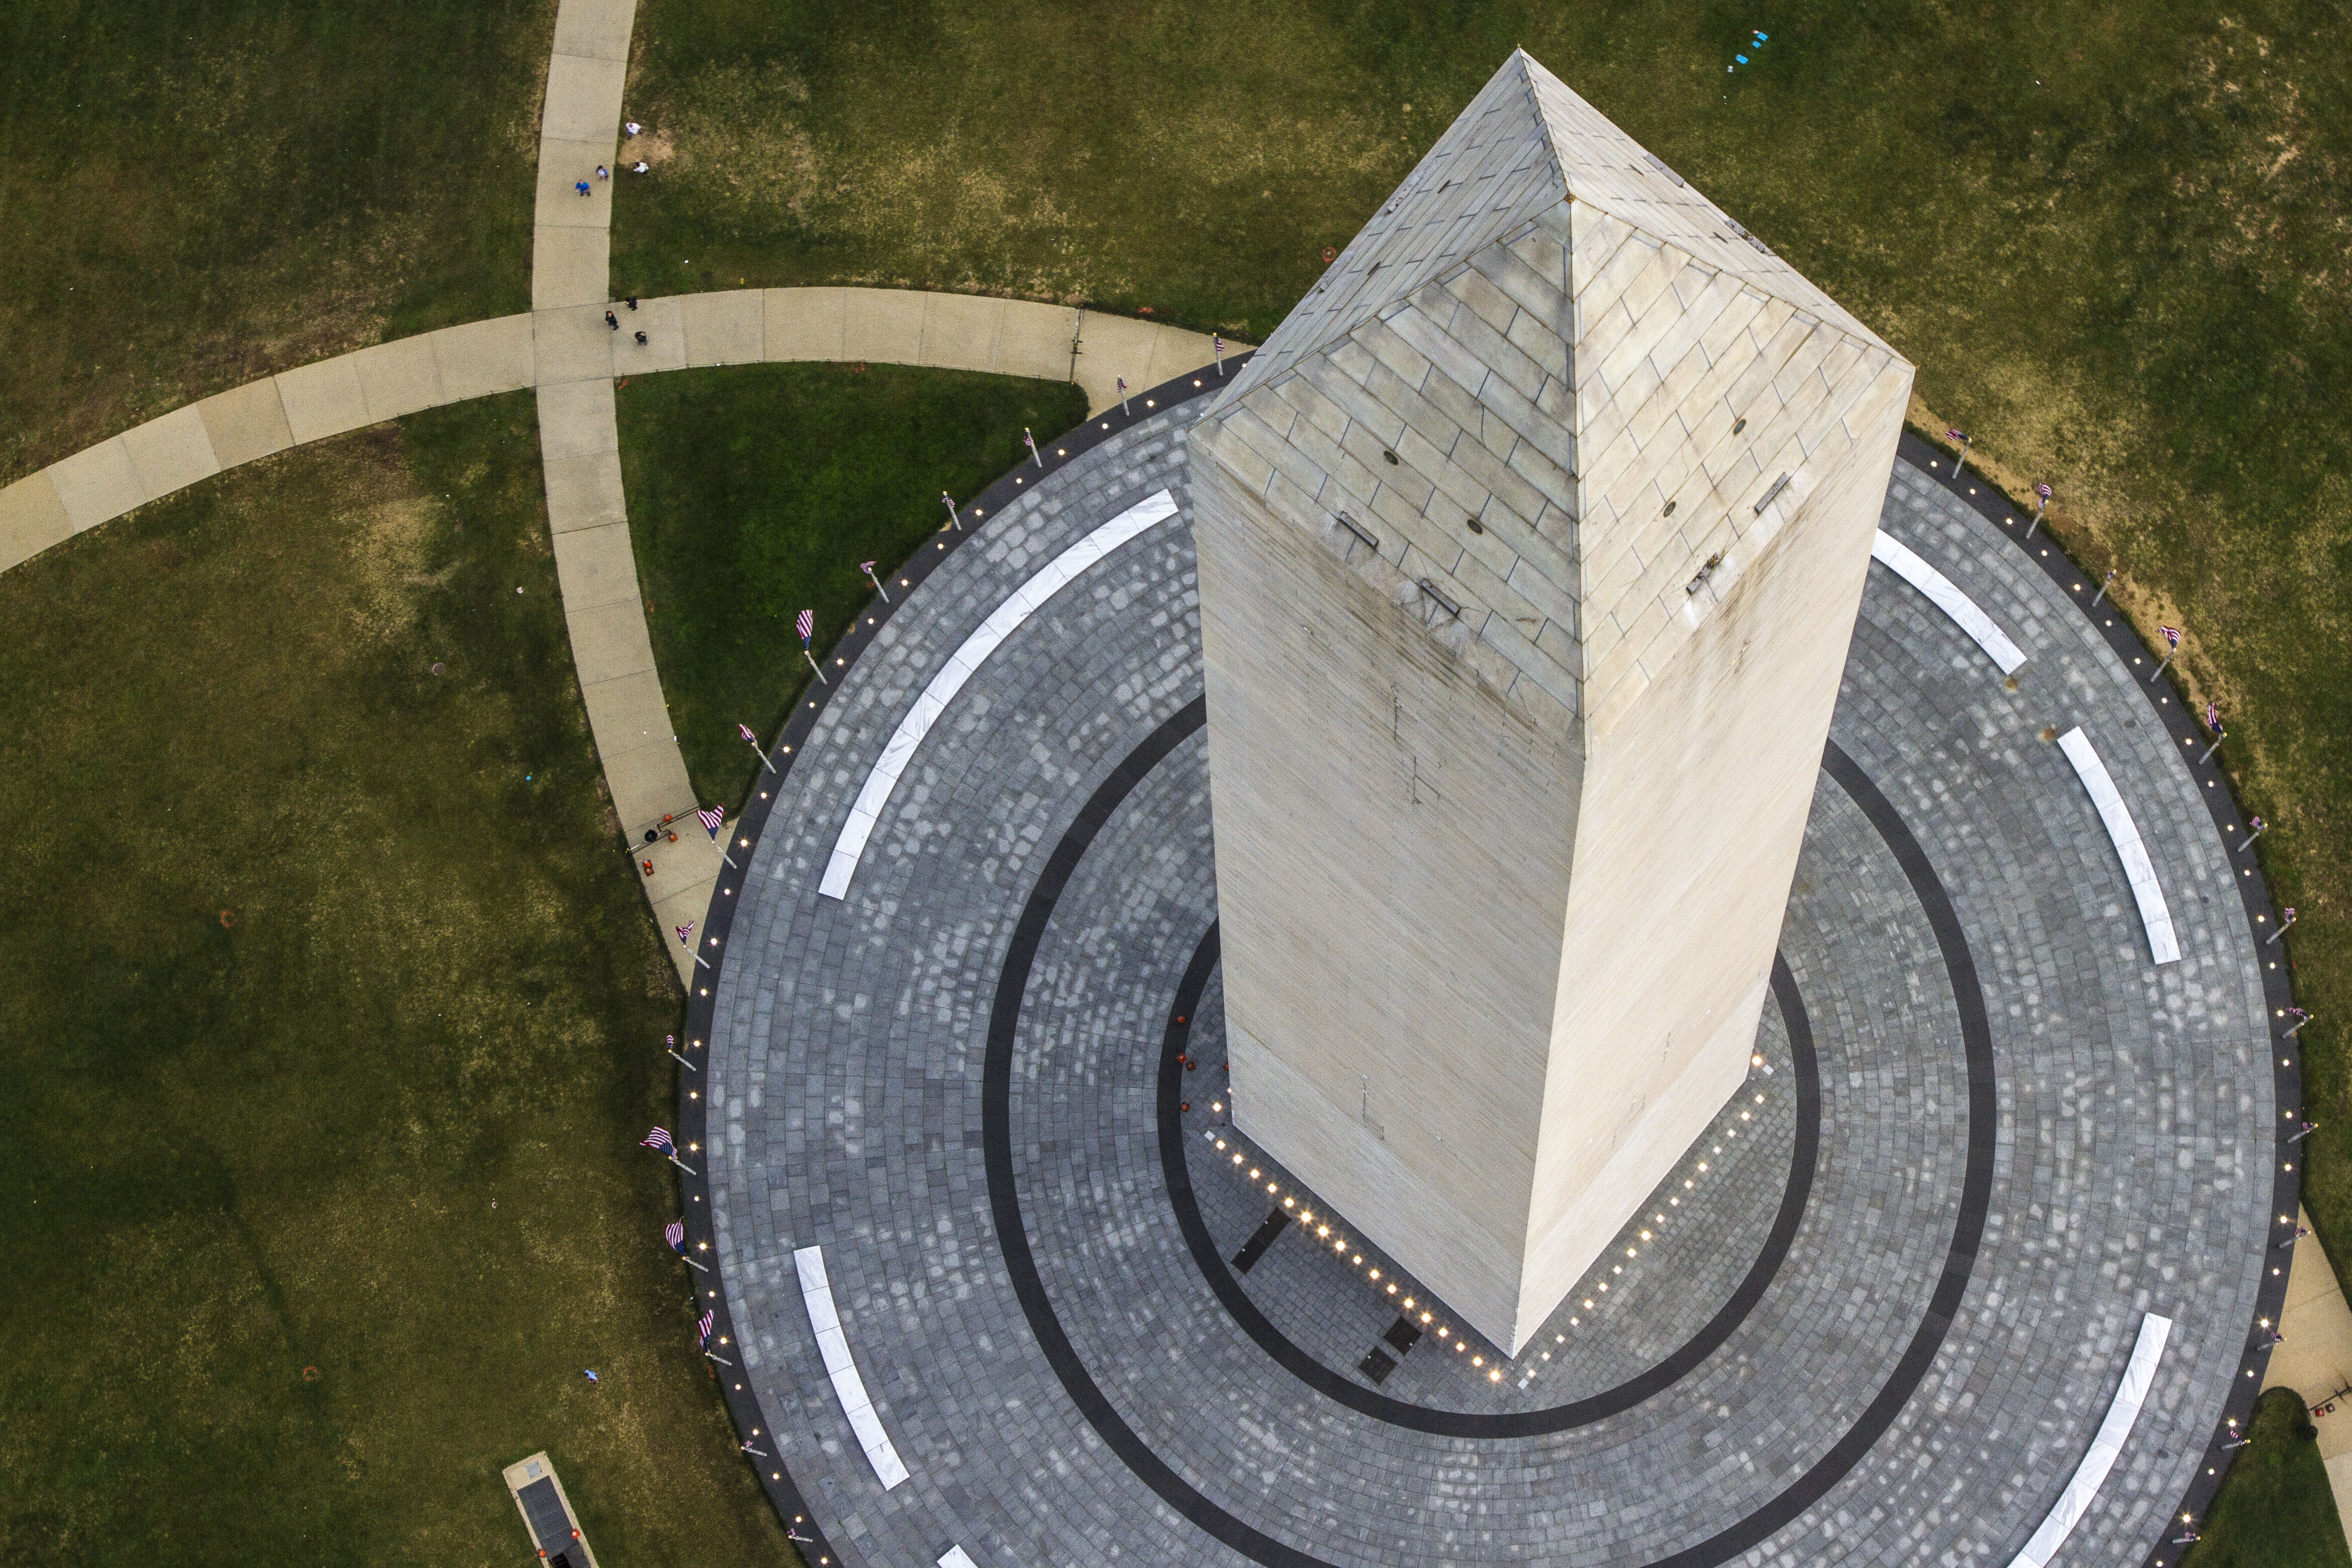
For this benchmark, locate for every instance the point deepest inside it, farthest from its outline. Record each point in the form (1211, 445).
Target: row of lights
(1340, 1247)
(1689, 1184)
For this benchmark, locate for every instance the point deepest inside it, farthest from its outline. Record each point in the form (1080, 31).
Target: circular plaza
(995, 1275)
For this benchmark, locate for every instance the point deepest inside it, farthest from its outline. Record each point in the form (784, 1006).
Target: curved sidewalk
(508, 353)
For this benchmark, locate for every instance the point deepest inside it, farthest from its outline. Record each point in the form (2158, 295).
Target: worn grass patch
(2114, 238)
(195, 193)
(754, 491)
(2274, 1509)
(330, 1032)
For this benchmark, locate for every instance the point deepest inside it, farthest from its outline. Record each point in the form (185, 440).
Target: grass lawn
(2275, 1509)
(195, 193)
(754, 491)
(331, 1025)
(2113, 237)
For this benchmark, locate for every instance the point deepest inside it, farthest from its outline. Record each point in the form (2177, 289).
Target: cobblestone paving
(2129, 1174)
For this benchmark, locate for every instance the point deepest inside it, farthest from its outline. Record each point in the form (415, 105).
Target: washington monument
(1530, 545)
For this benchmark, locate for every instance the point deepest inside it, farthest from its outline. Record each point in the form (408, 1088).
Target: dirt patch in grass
(380, 1124)
(737, 533)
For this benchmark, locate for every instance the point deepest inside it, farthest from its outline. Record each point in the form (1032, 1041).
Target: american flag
(2041, 490)
(2213, 717)
(867, 566)
(675, 1233)
(808, 625)
(708, 1320)
(2290, 914)
(1954, 436)
(658, 1139)
(710, 816)
(2297, 1013)
(2172, 634)
(685, 931)
(746, 731)
(2255, 822)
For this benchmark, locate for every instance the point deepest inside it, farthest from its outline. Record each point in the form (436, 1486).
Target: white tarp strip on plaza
(956, 1557)
(961, 665)
(2138, 1373)
(2138, 869)
(847, 1386)
(1905, 563)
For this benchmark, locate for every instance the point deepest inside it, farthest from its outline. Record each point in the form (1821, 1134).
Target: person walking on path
(633, 302)
(602, 172)
(581, 187)
(630, 128)
(641, 339)
(612, 321)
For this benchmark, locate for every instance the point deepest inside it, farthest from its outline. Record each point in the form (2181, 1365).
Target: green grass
(332, 1021)
(199, 192)
(2275, 1509)
(2113, 237)
(754, 492)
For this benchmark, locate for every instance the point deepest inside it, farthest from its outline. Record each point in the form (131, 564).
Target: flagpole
(1122, 394)
(820, 680)
(2299, 1023)
(2169, 655)
(753, 741)
(2261, 828)
(2040, 507)
(2103, 588)
(2209, 751)
(681, 1060)
(954, 516)
(2280, 933)
(690, 1263)
(722, 1360)
(682, 1165)
(1033, 446)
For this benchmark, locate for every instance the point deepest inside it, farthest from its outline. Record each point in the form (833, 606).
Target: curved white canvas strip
(816, 1294)
(2138, 869)
(2138, 1373)
(960, 667)
(1905, 563)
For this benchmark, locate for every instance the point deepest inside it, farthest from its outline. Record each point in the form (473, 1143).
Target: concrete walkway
(2315, 1360)
(564, 349)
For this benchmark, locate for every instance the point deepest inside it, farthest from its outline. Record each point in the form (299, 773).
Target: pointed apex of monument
(1564, 401)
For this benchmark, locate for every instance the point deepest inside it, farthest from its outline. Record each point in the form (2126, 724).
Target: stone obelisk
(1530, 545)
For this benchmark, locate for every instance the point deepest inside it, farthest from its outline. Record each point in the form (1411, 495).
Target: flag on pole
(1954, 436)
(2290, 915)
(867, 566)
(2172, 634)
(746, 730)
(708, 1320)
(2255, 822)
(658, 1139)
(2044, 491)
(2213, 717)
(2297, 1014)
(711, 817)
(684, 932)
(675, 1233)
(806, 626)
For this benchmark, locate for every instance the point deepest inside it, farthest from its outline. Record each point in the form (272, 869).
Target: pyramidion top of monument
(1547, 331)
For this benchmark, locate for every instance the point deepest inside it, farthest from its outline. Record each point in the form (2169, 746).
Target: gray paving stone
(2130, 1172)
